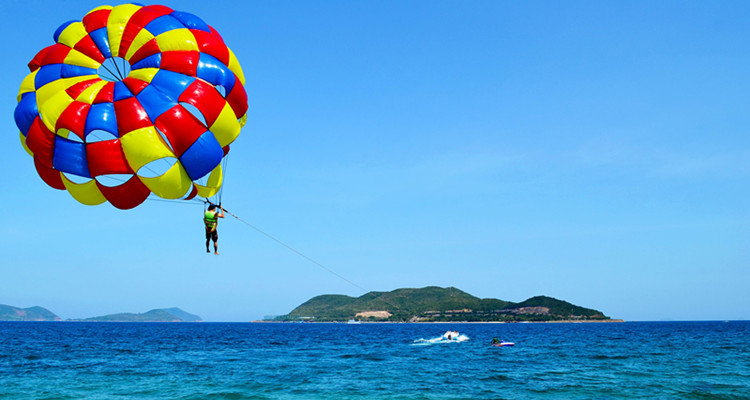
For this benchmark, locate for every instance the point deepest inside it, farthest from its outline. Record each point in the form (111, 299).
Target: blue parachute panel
(165, 23)
(211, 70)
(26, 111)
(70, 71)
(70, 157)
(101, 40)
(191, 21)
(171, 83)
(155, 102)
(152, 61)
(202, 157)
(121, 92)
(47, 74)
(101, 117)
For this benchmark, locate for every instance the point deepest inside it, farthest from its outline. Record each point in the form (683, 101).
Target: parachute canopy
(129, 101)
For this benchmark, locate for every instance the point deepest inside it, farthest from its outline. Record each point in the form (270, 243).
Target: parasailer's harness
(209, 218)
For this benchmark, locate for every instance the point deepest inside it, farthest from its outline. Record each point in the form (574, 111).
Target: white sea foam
(447, 337)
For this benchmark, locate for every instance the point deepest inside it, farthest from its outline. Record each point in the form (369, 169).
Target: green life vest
(210, 219)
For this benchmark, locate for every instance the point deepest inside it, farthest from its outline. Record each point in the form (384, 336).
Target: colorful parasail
(129, 101)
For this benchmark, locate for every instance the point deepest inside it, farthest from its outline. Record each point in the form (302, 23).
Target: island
(10, 313)
(437, 304)
(174, 314)
(158, 315)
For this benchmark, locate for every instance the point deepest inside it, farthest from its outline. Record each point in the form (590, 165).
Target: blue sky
(596, 152)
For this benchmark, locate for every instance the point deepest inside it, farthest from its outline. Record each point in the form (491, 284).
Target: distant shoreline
(605, 321)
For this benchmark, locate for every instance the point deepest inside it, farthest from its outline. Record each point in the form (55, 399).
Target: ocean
(631, 360)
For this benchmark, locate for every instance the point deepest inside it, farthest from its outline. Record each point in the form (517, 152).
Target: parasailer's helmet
(129, 101)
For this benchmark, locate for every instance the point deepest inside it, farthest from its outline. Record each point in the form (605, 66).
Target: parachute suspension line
(224, 174)
(299, 253)
(151, 170)
(93, 134)
(174, 201)
(109, 70)
(119, 74)
(112, 178)
(216, 198)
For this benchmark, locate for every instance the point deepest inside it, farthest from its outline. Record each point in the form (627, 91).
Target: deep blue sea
(632, 360)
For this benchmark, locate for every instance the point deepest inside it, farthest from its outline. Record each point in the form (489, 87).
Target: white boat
(454, 336)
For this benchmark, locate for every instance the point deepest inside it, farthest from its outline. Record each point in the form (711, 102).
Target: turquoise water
(658, 360)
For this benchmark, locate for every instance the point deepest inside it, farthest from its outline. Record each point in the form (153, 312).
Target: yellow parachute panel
(144, 145)
(173, 184)
(87, 193)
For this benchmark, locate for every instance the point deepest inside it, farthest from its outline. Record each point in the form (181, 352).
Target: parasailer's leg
(208, 240)
(215, 235)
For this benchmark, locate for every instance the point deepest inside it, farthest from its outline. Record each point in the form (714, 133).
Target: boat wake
(447, 337)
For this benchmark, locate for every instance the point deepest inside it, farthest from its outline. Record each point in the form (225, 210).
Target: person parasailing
(211, 220)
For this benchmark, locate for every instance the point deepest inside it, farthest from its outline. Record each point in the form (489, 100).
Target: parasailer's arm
(220, 213)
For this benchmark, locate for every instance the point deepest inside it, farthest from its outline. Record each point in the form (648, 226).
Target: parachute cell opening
(157, 168)
(114, 69)
(222, 90)
(77, 178)
(98, 135)
(69, 135)
(113, 180)
(195, 111)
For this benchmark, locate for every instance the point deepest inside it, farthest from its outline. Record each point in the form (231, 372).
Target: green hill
(436, 304)
(183, 315)
(158, 315)
(10, 313)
